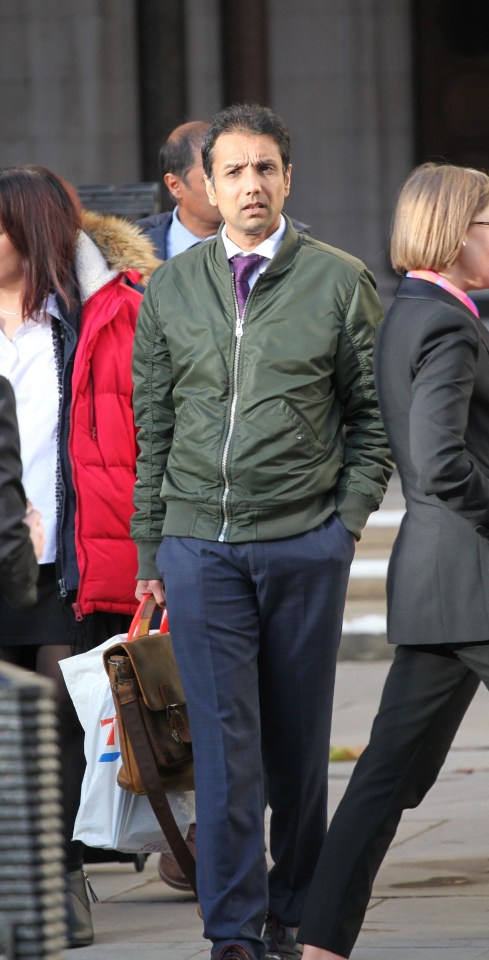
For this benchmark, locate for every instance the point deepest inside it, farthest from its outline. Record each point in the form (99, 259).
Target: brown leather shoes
(168, 868)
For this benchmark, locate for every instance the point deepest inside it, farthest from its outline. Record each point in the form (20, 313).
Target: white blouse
(28, 362)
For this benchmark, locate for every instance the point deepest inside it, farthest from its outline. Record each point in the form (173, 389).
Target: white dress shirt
(179, 238)
(267, 248)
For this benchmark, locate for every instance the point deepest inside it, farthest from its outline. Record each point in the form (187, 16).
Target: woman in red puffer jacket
(68, 310)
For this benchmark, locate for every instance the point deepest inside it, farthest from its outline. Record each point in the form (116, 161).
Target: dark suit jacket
(157, 227)
(432, 375)
(18, 566)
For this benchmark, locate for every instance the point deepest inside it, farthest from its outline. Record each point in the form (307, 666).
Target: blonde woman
(432, 374)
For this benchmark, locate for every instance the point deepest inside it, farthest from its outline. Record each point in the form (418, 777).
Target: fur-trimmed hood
(123, 245)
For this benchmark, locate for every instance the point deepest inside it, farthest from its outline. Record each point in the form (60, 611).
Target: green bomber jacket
(261, 428)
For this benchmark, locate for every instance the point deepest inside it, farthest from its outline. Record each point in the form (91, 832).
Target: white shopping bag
(110, 817)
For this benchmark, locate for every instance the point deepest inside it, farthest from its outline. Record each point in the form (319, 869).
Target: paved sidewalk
(431, 899)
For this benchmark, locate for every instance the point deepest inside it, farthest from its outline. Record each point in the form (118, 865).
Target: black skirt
(52, 621)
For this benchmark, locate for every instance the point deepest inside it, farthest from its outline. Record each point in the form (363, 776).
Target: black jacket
(18, 566)
(432, 376)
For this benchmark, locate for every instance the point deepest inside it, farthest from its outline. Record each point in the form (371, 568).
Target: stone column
(340, 74)
(203, 58)
(162, 77)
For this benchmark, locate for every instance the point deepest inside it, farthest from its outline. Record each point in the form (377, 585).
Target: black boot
(79, 918)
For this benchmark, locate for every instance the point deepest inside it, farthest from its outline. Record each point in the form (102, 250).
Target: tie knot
(243, 267)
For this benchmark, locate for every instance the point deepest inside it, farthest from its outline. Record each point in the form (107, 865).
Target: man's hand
(156, 587)
(36, 530)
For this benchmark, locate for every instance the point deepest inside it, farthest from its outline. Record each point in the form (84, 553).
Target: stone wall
(85, 92)
(68, 77)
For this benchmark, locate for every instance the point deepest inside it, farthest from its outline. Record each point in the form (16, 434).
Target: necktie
(243, 267)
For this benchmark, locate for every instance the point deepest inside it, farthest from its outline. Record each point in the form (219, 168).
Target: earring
(464, 243)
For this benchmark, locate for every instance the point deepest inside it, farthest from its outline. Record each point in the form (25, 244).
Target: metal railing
(32, 907)
(131, 200)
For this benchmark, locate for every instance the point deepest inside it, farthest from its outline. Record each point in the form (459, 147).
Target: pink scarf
(442, 282)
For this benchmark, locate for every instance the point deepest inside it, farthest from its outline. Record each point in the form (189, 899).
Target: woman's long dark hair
(41, 220)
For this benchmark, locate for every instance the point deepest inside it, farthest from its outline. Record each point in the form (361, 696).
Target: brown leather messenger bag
(154, 731)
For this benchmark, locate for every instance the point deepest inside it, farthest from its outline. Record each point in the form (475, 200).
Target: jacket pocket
(275, 453)
(303, 431)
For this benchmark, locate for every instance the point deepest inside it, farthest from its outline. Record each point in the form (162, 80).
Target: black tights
(44, 661)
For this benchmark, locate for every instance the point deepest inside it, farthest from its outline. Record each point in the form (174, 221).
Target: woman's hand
(36, 529)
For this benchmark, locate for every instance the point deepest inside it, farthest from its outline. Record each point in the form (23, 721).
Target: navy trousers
(256, 628)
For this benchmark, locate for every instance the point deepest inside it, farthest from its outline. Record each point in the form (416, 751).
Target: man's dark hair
(177, 154)
(249, 118)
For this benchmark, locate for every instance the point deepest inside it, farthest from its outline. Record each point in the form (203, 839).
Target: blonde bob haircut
(435, 207)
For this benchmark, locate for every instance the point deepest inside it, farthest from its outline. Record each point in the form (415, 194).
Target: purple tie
(243, 267)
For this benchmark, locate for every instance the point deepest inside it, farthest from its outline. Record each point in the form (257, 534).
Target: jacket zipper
(93, 417)
(63, 592)
(234, 403)
(93, 433)
(61, 494)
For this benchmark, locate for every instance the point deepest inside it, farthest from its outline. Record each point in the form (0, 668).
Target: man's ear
(211, 193)
(288, 175)
(174, 185)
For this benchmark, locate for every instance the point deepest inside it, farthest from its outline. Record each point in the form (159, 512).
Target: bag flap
(154, 665)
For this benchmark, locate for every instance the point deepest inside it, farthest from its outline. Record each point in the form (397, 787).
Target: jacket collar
(410, 288)
(413, 288)
(121, 244)
(91, 267)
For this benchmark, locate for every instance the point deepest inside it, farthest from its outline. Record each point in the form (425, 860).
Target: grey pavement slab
(431, 897)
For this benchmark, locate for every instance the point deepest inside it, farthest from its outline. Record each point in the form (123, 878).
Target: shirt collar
(267, 248)
(179, 238)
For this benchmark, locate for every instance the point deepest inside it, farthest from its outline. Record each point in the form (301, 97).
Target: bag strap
(141, 620)
(134, 724)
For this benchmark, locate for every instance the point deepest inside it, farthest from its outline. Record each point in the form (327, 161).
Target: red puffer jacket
(102, 443)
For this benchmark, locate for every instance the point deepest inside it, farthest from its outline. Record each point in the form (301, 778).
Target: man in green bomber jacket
(262, 453)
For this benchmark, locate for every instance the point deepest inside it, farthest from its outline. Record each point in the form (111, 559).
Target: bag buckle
(175, 720)
(120, 678)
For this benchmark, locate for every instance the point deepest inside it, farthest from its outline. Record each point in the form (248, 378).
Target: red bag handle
(141, 621)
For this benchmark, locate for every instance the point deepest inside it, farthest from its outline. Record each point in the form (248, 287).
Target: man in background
(192, 219)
